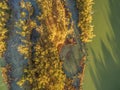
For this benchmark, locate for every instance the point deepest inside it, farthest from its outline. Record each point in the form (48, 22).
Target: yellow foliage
(24, 50)
(26, 26)
(3, 5)
(45, 69)
(3, 30)
(56, 19)
(85, 19)
(23, 14)
(21, 82)
(27, 6)
(5, 70)
(68, 84)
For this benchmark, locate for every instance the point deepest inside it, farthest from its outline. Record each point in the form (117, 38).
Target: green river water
(103, 67)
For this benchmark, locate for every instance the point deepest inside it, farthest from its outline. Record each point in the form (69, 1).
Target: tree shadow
(105, 77)
(106, 72)
(115, 23)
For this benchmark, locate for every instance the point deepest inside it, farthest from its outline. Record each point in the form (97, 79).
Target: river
(103, 67)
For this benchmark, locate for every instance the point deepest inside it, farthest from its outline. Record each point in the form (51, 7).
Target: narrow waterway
(12, 56)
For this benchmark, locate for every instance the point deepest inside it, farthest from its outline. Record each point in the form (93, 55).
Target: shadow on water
(106, 75)
(115, 23)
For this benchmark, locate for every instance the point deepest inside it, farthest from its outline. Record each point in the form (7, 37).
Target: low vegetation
(5, 74)
(44, 70)
(85, 19)
(4, 16)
